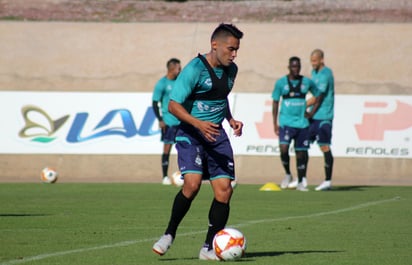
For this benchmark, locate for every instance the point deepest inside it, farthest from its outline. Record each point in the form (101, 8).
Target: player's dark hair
(294, 58)
(172, 61)
(225, 30)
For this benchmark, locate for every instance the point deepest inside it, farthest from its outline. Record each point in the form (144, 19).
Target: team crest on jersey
(208, 82)
(198, 161)
(202, 106)
(287, 137)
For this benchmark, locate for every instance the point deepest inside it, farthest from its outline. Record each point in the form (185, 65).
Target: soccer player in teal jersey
(167, 122)
(321, 124)
(199, 100)
(292, 123)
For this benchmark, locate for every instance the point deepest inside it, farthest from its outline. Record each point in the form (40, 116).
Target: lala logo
(208, 82)
(374, 125)
(43, 130)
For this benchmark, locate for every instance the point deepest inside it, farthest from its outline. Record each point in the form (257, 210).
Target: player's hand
(162, 125)
(237, 127)
(276, 129)
(209, 130)
(308, 115)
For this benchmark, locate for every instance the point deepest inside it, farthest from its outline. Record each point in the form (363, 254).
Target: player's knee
(302, 158)
(284, 149)
(284, 156)
(324, 148)
(191, 188)
(224, 195)
(328, 159)
(222, 190)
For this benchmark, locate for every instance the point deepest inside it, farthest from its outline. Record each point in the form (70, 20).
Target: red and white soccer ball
(229, 244)
(177, 179)
(49, 175)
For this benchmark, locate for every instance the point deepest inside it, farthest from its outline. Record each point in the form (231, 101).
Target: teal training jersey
(194, 80)
(326, 85)
(161, 94)
(293, 104)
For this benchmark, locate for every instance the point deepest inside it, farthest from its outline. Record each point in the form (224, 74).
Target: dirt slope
(330, 11)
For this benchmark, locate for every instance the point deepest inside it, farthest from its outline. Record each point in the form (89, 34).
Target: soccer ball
(177, 179)
(48, 175)
(229, 244)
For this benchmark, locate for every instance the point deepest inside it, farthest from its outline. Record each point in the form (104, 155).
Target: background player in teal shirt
(292, 123)
(199, 100)
(167, 122)
(321, 124)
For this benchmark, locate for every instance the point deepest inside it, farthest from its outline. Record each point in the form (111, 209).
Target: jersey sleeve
(313, 88)
(323, 84)
(158, 91)
(277, 91)
(185, 83)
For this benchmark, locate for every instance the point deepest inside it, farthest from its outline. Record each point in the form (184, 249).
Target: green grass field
(116, 224)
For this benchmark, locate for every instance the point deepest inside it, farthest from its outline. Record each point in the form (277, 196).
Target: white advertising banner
(364, 126)
(124, 123)
(78, 123)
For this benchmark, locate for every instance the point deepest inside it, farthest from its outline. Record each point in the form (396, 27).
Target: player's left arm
(156, 110)
(236, 125)
(157, 97)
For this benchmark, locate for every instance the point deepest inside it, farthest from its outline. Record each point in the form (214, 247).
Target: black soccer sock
(328, 165)
(165, 164)
(301, 164)
(181, 206)
(285, 159)
(218, 216)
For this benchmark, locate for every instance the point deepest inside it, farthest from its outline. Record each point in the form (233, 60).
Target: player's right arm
(275, 110)
(276, 94)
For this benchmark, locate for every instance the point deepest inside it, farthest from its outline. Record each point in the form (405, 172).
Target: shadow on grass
(280, 253)
(351, 188)
(21, 214)
(250, 255)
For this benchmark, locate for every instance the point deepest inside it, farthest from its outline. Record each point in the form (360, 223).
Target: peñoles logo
(374, 125)
(265, 126)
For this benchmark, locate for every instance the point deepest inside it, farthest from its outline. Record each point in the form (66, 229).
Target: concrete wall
(366, 59)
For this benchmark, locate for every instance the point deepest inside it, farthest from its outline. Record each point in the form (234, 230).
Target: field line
(132, 242)
(356, 207)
